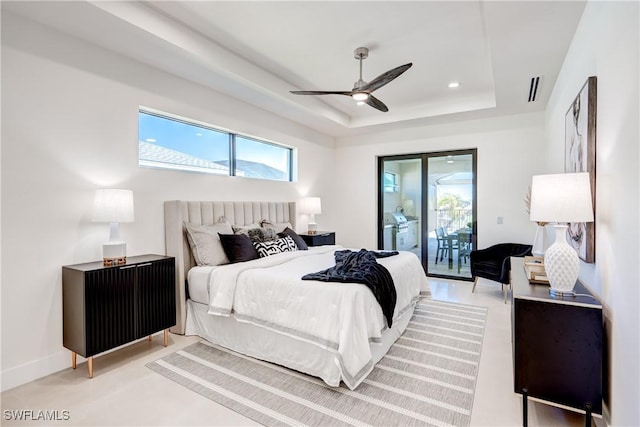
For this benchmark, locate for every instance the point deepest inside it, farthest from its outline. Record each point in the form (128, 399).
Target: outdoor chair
(445, 244)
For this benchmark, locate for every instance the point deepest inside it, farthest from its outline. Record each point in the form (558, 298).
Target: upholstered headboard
(177, 212)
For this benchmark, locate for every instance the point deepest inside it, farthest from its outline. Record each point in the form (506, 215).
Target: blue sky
(206, 143)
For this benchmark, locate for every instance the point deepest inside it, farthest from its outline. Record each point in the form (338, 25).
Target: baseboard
(22, 374)
(30, 371)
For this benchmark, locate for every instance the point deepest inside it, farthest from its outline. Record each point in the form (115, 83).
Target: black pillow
(300, 243)
(238, 247)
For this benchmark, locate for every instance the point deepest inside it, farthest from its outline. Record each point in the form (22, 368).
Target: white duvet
(342, 317)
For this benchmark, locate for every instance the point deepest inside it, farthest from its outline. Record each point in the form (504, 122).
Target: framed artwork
(580, 156)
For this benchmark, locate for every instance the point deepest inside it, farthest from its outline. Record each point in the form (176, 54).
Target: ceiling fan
(361, 91)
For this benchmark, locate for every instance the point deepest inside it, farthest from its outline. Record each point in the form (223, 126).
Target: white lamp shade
(562, 197)
(312, 205)
(111, 205)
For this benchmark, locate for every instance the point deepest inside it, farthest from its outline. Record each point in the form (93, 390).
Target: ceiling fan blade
(385, 78)
(319, 92)
(376, 103)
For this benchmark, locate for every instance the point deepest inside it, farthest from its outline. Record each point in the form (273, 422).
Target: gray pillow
(205, 243)
(278, 226)
(258, 235)
(244, 229)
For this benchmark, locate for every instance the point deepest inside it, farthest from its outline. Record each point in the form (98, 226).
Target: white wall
(606, 45)
(69, 126)
(508, 155)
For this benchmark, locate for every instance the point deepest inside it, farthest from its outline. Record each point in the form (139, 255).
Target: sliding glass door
(427, 205)
(401, 203)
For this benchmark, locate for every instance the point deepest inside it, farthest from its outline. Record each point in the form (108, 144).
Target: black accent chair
(494, 263)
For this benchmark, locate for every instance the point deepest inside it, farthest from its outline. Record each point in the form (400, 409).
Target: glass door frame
(424, 208)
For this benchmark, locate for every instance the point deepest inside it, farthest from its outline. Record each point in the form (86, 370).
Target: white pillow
(205, 243)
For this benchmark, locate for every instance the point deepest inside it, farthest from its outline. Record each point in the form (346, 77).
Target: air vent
(533, 88)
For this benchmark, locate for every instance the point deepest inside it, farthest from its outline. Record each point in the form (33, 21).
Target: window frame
(232, 169)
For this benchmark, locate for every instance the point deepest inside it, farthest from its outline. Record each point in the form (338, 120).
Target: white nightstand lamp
(312, 206)
(561, 198)
(113, 206)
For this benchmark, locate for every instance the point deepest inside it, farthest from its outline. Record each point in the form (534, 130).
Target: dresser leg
(525, 407)
(149, 337)
(90, 366)
(166, 337)
(587, 415)
(73, 359)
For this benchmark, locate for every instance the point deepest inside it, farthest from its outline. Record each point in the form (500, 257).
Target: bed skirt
(276, 347)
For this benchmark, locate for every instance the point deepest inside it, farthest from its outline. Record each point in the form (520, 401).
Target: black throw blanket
(362, 267)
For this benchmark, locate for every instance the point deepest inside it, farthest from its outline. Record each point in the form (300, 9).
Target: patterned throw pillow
(258, 235)
(278, 226)
(285, 244)
(299, 241)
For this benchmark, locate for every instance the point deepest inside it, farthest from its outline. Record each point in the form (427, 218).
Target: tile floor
(124, 392)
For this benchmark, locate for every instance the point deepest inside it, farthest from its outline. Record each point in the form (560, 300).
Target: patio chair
(464, 248)
(445, 244)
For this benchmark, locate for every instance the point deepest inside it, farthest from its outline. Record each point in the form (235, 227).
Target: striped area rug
(427, 378)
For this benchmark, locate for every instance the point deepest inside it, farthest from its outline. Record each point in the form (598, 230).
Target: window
(258, 159)
(170, 143)
(390, 182)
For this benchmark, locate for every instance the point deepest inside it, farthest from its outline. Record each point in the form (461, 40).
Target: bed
(262, 308)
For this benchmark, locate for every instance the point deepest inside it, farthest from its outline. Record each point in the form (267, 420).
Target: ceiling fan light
(359, 103)
(360, 96)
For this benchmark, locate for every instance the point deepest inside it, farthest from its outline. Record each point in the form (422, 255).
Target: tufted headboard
(177, 212)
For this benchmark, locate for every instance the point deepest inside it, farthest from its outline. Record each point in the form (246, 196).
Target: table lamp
(113, 206)
(560, 199)
(312, 206)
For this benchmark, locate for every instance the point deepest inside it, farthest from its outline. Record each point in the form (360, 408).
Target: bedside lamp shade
(561, 198)
(312, 206)
(113, 206)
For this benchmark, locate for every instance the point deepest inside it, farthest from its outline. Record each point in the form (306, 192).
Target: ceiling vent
(533, 88)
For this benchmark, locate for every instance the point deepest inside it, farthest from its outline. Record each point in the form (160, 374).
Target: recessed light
(449, 159)
(150, 140)
(198, 134)
(453, 85)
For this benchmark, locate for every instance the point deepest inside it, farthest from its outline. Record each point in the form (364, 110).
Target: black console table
(557, 345)
(105, 307)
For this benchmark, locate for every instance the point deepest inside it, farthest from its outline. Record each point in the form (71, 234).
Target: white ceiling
(259, 51)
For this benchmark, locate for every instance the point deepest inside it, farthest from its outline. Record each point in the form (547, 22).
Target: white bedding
(198, 283)
(342, 318)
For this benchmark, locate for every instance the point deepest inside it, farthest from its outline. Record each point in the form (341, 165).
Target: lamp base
(114, 253)
(312, 228)
(557, 293)
(561, 263)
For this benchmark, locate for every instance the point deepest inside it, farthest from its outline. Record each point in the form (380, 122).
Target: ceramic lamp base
(561, 263)
(114, 253)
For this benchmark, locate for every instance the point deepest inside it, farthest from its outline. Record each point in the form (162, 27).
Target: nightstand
(105, 307)
(319, 238)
